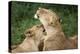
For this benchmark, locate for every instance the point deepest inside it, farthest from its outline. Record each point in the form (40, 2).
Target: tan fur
(55, 38)
(31, 42)
(72, 42)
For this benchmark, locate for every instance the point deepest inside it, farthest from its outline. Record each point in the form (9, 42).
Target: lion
(33, 37)
(55, 38)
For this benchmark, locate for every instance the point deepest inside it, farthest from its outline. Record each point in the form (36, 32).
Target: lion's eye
(37, 26)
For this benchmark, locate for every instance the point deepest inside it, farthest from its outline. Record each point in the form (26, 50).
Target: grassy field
(22, 18)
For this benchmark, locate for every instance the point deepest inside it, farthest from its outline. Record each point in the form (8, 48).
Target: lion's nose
(39, 8)
(35, 16)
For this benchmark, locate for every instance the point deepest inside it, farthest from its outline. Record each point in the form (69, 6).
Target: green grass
(17, 32)
(22, 14)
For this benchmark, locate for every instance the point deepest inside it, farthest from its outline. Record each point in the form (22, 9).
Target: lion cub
(32, 40)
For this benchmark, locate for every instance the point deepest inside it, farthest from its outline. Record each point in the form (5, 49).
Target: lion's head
(36, 32)
(46, 16)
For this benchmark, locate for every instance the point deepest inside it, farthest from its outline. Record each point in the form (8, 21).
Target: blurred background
(22, 18)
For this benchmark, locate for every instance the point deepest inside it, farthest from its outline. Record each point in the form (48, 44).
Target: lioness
(32, 40)
(55, 38)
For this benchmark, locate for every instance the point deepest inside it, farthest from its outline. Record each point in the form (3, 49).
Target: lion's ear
(27, 33)
(60, 20)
